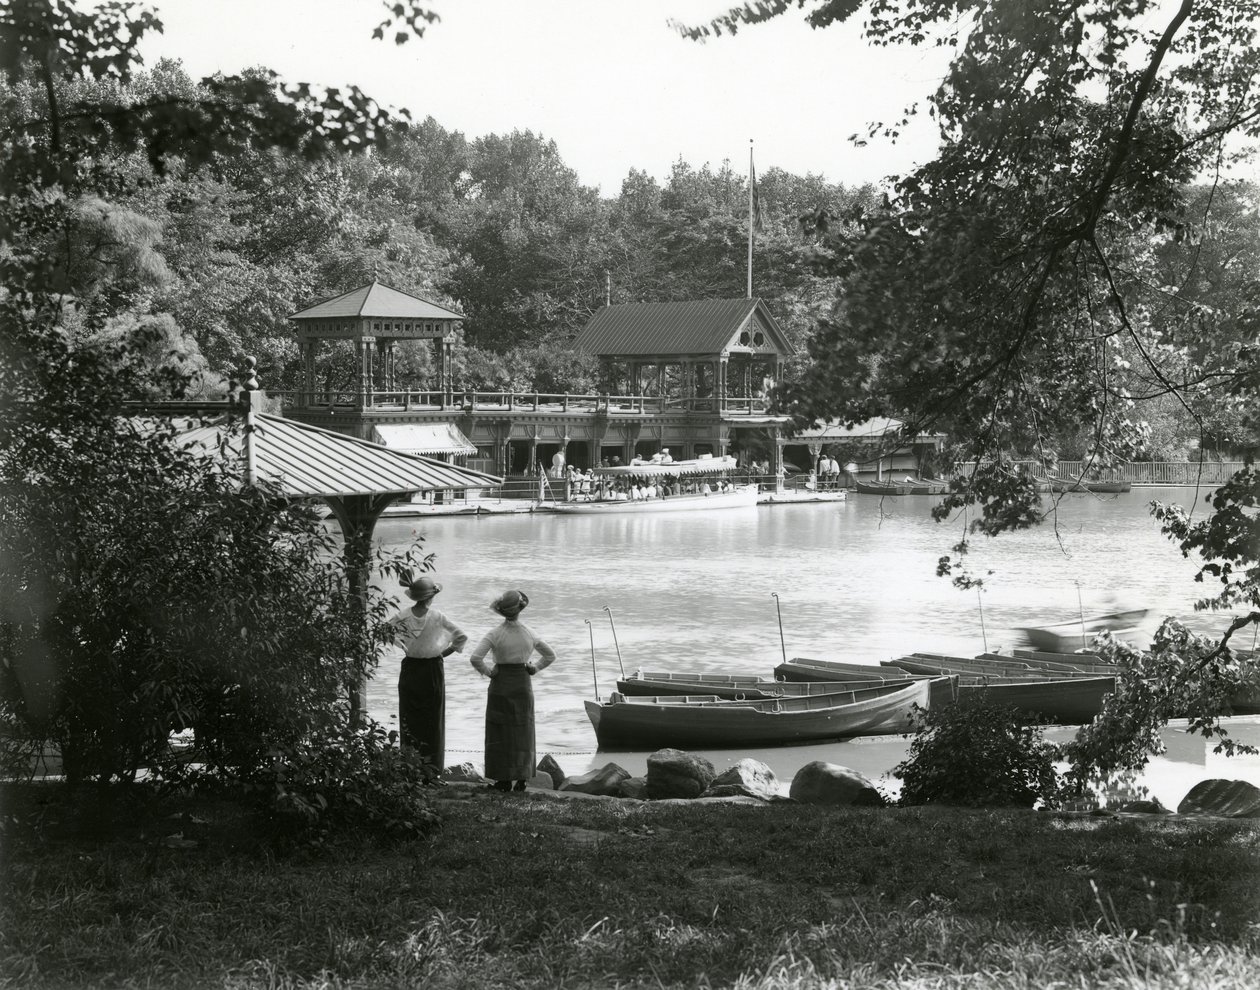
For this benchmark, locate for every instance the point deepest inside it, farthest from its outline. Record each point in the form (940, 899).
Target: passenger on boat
(510, 755)
(666, 458)
(427, 637)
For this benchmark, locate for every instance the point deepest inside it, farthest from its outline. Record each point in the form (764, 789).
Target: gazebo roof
(376, 301)
(310, 462)
(695, 326)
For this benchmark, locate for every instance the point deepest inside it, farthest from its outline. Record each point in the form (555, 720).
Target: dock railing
(1152, 473)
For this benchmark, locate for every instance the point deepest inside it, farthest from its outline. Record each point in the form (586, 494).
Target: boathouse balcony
(468, 401)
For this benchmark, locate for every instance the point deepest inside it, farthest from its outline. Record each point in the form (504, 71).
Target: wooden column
(357, 516)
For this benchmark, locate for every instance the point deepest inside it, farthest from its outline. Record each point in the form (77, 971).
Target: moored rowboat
(652, 723)
(648, 684)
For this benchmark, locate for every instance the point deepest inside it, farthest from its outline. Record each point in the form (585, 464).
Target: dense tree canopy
(1075, 264)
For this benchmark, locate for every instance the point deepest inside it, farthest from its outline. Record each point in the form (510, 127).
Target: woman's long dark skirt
(422, 707)
(510, 724)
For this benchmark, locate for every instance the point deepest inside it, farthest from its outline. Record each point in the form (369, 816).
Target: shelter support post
(357, 516)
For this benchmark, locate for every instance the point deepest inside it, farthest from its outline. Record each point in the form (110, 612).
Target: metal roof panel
(308, 461)
(696, 326)
(377, 301)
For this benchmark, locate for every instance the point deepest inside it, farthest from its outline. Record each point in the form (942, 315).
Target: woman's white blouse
(426, 635)
(510, 643)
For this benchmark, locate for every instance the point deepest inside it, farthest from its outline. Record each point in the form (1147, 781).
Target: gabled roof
(308, 461)
(376, 300)
(698, 326)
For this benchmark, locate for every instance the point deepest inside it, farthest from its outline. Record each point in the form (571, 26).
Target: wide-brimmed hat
(510, 603)
(421, 587)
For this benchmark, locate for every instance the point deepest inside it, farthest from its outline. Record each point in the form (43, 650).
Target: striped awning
(307, 462)
(423, 438)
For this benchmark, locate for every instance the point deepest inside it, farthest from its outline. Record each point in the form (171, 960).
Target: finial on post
(250, 395)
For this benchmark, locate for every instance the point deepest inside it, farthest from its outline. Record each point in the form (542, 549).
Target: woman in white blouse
(510, 755)
(427, 637)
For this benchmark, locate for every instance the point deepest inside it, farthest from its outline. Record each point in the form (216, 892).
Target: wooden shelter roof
(695, 327)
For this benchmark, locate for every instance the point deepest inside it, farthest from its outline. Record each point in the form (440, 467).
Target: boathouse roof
(376, 300)
(694, 327)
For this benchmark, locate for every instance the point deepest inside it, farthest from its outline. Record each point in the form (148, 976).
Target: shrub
(977, 754)
(340, 779)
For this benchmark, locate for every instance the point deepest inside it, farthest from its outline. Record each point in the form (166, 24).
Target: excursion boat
(909, 486)
(706, 722)
(1064, 637)
(705, 472)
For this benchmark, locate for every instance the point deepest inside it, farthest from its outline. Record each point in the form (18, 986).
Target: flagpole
(752, 179)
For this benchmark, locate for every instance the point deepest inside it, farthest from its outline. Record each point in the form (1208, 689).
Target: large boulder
(635, 788)
(1223, 798)
(605, 781)
(551, 768)
(828, 783)
(672, 773)
(747, 777)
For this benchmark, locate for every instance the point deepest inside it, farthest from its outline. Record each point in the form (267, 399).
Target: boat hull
(647, 725)
(901, 487)
(740, 498)
(1073, 701)
(1064, 637)
(754, 690)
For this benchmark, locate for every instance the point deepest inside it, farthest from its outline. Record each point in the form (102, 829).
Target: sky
(608, 80)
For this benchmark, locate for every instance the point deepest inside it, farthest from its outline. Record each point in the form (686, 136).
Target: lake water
(856, 581)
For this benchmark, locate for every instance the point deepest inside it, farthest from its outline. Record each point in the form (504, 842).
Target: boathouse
(692, 376)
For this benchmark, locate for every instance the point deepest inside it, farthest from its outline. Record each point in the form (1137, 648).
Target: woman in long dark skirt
(510, 755)
(427, 637)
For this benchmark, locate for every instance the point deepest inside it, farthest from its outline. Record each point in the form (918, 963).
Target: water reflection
(856, 582)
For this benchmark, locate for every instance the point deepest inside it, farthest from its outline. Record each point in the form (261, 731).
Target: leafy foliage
(980, 755)
(141, 591)
(1182, 676)
(1074, 265)
(334, 780)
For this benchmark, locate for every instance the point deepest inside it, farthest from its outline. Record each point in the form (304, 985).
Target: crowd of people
(504, 655)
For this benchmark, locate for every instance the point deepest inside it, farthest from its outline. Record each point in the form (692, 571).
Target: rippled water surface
(856, 581)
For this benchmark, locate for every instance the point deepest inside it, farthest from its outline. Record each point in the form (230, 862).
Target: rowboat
(1063, 637)
(911, 486)
(994, 665)
(737, 688)
(703, 473)
(809, 669)
(710, 723)
(1095, 487)
(1051, 697)
(794, 496)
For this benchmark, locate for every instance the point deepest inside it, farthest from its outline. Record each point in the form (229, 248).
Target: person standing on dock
(510, 755)
(427, 637)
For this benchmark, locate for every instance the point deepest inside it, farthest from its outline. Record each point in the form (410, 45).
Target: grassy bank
(524, 891)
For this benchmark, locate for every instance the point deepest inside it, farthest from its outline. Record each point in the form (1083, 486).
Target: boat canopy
(705, 464)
